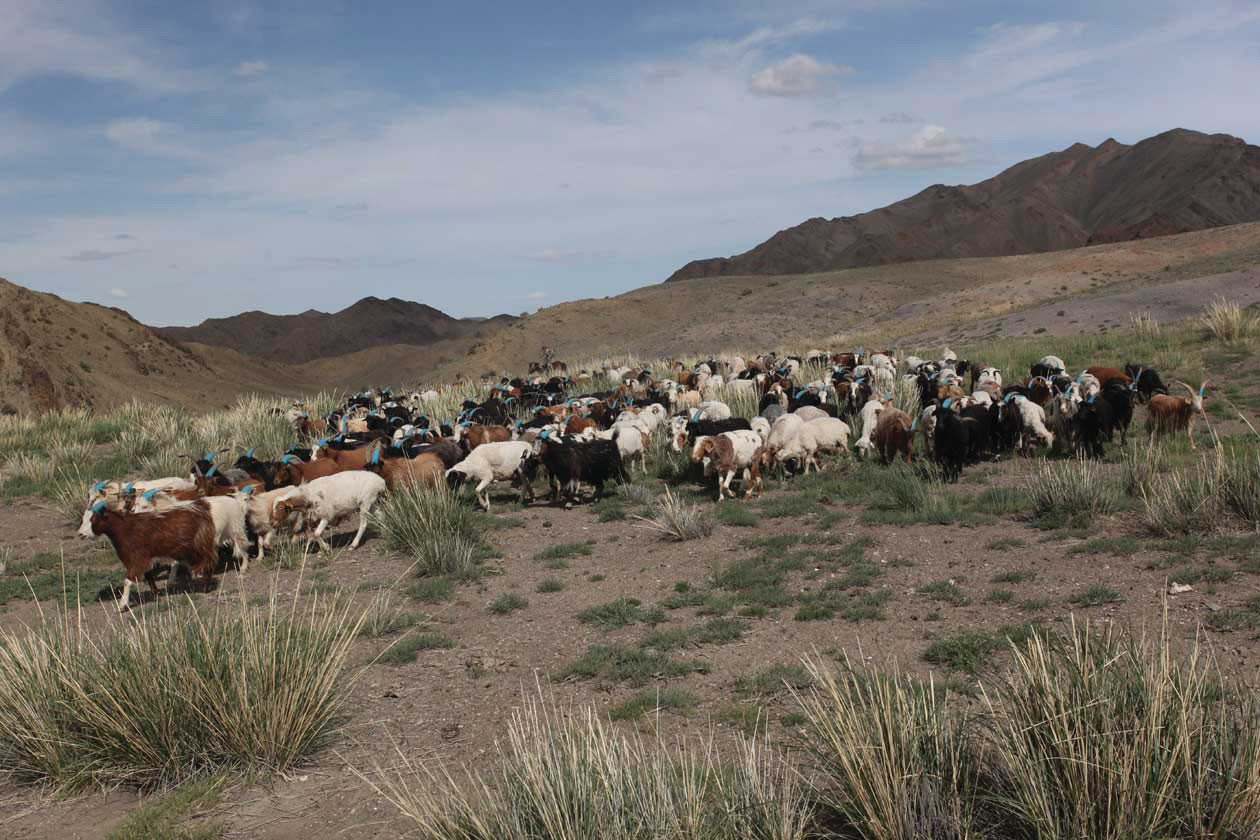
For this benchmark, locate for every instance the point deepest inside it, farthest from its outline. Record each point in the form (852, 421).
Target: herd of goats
(378, 441)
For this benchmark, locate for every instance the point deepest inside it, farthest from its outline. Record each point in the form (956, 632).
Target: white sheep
(1052, 363)
(783, 432)
(761, 426)
(331, 499)
(712, 410)
(490, 462)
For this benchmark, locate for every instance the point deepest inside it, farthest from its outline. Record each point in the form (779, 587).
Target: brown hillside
(920, 301)
(55, 353)
(1174, 182)
(371, 322)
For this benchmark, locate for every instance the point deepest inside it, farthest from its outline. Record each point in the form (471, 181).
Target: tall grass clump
(1228, 321)
(152, 701)
(1071, 491)
(567, 775)
(429, 525)
(1110, 737)
(1186, 501)
(1145, 325)
(1240, 487)
(1140, 466)
(676, 519)
(893, 758)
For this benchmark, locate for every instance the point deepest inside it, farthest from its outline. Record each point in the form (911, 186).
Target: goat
(182, 534)
(570, 462)
(1167, 414)
(227, 512)
(495, 461)
(868, 417)
(1032, 421)
(893, 434)
(631, 442)
(331, 499)
(425, 468)
(688, 431)
(291, 471)
(728, 453)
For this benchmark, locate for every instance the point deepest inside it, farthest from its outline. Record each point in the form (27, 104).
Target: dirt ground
(450, 705)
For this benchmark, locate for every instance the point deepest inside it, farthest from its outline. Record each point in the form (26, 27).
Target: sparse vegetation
(675, 519)
(1071, 492)
(433, 527)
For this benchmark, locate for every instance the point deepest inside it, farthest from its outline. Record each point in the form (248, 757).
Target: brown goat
(348, 459)
(893, 435)
(1107, 374)
(474, 436)
(725, 459)
(182, 534)
(292, 472)
(1168, 415)
(207, 486)
(577, 425)
(425, 468)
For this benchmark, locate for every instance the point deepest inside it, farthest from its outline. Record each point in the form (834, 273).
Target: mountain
(56, 353)
(371, 322)
(1174, 182)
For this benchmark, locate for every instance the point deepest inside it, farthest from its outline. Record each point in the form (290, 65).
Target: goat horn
(1184, 385)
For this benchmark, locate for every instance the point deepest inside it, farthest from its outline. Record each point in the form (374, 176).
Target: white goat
(1032, 420)
(331, 499)
(490, 462)
(227, 512)
(868, 417)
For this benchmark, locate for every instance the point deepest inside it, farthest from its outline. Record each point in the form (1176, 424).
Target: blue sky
(190, 160)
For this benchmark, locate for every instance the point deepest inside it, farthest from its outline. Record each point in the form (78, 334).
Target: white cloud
(928, 148)
(796, 75)
(117, 292)
(79, 38)
(536, 295)
(247, 69)
(95, 255)
(134, 132)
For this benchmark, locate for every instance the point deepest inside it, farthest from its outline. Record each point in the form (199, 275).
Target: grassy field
(655, 665)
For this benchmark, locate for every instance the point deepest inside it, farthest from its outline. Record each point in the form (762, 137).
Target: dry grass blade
(676, 519)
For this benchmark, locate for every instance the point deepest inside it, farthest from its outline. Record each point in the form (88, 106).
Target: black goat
(569, 462)
(1094, 422)
(1146, 381)
(954, 442)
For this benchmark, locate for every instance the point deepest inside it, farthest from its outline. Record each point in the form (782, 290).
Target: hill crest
(1175, 182)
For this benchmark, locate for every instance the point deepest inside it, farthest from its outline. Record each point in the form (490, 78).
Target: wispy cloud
(536, 295)
(928, 148)
(96, 255)
(796, 75)
(118, 292)
(246, 69)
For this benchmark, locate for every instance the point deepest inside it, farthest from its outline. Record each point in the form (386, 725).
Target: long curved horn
(1187, 387)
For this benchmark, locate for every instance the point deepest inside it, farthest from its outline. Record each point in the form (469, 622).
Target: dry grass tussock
(1228, 321)
(157, 698)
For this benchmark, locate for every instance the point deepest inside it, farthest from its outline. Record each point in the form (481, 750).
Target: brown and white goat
(477, 435)
(729, 453)
(1169, 415)
(184, 534)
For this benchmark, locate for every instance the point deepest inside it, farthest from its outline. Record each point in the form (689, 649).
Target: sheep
(868, 417)
(1167, 414)
(894, 434)
(330, 499)
(490, 462)
(727, 454)
(182, 534)
(1048, 366)
(227, 512)
(761, 426)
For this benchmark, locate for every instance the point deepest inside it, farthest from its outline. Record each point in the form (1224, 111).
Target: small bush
(564, 551)
(1187, 501)
(1095, 596)
(384, 618)
(621, 612)
(508, 602)
(735, 515)
(652, 702)
(1228, 320)
(407, 649)
(1072, 491)
(430, 526)
(549, 585)
(633, 665)
(675, 519)
(945, 590)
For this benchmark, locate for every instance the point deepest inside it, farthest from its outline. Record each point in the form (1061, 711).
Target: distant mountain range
(371, 322)
(1174, 182)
